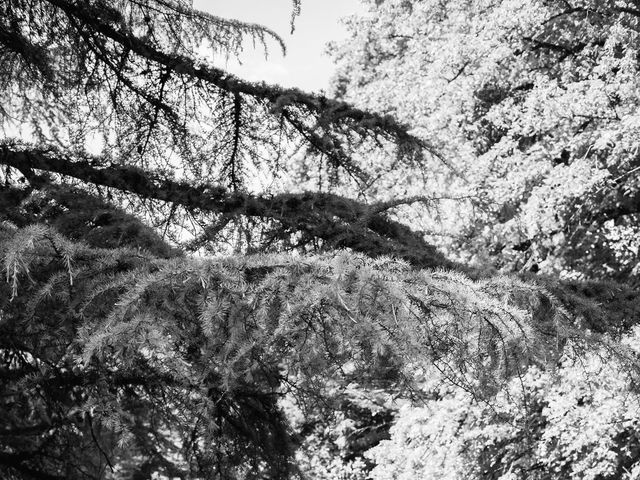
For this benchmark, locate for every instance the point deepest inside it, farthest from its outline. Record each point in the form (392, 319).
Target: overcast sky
(306, 65)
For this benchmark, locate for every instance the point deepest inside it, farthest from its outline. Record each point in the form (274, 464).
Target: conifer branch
(339, 221)
(327, 111)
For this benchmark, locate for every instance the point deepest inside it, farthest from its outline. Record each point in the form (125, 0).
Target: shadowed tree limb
(339, 221)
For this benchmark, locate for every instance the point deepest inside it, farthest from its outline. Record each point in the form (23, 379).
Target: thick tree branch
(340, 222)
(237, 127)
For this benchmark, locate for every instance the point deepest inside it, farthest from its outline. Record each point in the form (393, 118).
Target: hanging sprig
(295, 12)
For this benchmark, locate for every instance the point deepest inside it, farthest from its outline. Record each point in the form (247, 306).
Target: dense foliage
(212, 278)
(120, 345)
(536, 104)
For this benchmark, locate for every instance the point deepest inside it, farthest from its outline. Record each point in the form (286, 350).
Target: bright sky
(306, 65)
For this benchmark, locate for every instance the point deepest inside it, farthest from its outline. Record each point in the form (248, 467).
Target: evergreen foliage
(119, 345)
(166, 314)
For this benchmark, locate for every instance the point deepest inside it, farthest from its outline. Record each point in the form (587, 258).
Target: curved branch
(328, 112)
(339, 221)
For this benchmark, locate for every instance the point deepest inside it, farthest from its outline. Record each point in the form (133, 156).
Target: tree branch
(328, 110)
(340, 222)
